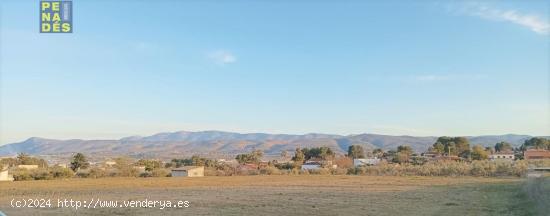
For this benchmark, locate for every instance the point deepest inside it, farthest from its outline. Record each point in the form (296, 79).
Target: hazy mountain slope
(515, 140)
(219, 142)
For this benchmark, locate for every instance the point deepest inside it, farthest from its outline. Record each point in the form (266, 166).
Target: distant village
(448, 156)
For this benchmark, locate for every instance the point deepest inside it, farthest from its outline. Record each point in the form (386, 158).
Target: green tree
(479, 153)
(253, 157)
(401, 157)
(503, 146)
(79, 161)
(356, 151)
(150, 165)
(125, 167)
(439, 148)
(25, 159)
(403, 154)
(9, 162)
(324, 153)
(243, 158)
(537, 143)
(453, 145)
(379, 153)
(405, 149)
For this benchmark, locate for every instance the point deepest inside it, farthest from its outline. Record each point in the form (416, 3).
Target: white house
(188, 171)
(311, 166)
(140, 169)
(366, 161)
(509, 155)
(4, 176)
(110, 163)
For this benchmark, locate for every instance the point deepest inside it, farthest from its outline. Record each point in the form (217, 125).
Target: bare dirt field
(286, 195)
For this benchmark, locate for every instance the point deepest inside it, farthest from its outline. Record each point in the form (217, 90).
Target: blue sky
(343, 67)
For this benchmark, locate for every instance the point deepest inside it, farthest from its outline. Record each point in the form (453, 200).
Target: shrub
(60, 172)
(145, 174)
(160, 172)
(210, 172)
(338, 171)
(41, 174)
(344, 162)
(270, 171)
(97, 173)
(22, 175)
(446, 168)
(82, 174)
(294, 171)
(322, 171)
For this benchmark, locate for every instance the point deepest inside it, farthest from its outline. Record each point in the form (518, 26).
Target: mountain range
(219, 142)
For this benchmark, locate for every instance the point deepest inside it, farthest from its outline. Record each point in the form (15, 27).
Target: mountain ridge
(222, 142)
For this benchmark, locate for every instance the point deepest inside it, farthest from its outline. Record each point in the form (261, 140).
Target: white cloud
(533, 22)
(222, 57)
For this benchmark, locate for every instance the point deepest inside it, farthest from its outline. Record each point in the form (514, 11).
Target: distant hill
(219, 142)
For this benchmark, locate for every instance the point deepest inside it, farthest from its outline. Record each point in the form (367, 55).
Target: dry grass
(273, 195)
(368, 183)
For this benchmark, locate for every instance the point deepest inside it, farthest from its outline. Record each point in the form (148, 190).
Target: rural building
(62, 165)
(188, 171)
(431, 154)
(4, 176)
(536, 154)
(366, 162)
(110, 163)
(29, 167)
(508, 155)
(311, 166)
(321, 162)
(248, 166)
(140, 169)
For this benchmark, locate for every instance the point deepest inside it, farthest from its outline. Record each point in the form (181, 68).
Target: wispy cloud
(533, 22)
(222, 57)
(448, 77)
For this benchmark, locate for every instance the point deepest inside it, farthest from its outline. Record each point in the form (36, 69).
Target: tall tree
(379, 153)
(299, 156)
(439, 148)
(324, 153)
(254, 157)
(79, 162)
(537, 143)
(356, 151)
(479, 153)
(284, 154)
(503, 146)
(25, 159)
(403, 154)
(405, 149)
(453, 145)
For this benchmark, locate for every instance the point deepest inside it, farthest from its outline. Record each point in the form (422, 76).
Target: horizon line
(291, 134)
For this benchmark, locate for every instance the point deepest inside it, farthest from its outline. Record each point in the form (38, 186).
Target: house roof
(248, 166)
(537, 153)
(503, 153)
(185, 168)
